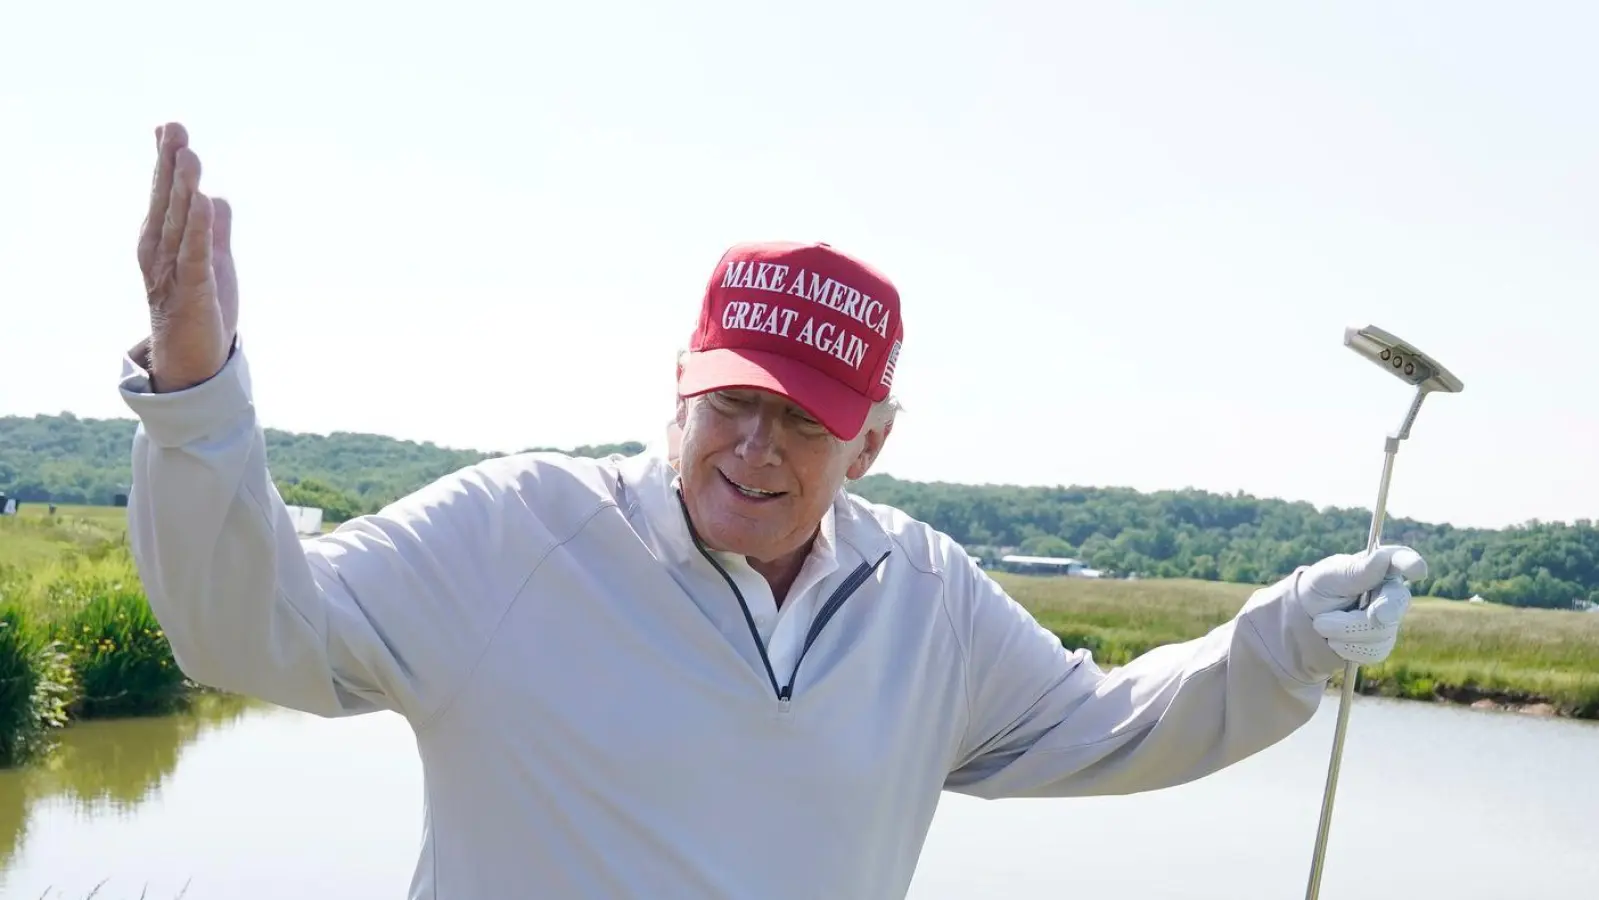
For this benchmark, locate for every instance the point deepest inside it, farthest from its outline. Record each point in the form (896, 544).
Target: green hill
(66, 459)
(1164, 534)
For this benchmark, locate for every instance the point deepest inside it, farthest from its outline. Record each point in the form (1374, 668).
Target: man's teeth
(751, 492)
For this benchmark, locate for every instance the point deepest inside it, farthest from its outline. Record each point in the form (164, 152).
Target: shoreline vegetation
(78, 641)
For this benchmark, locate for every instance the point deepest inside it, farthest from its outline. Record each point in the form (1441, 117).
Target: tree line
(1161, 534)
(66, 459)
(1246, 539)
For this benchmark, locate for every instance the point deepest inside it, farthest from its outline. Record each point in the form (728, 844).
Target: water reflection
(108, 767)
(1434, 802)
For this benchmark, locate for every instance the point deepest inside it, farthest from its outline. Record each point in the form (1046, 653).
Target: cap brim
(841, 410)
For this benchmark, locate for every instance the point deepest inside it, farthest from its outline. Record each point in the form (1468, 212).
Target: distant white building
(307, 519)
(1048, 565)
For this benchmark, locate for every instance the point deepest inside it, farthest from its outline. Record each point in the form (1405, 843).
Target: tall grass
(1447, 651)
(122, 661)
(35, 686)
(78, 639)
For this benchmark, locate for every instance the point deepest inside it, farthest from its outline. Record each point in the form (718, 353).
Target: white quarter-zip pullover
(595, 717)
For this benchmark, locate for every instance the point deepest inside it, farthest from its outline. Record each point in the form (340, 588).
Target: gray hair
(885, 411)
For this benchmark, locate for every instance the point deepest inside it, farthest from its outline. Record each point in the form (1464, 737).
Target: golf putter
(1417, 369)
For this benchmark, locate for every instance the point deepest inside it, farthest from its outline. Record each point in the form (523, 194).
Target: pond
(241, 800)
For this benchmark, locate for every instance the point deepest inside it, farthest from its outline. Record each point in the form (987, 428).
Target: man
(705, 671)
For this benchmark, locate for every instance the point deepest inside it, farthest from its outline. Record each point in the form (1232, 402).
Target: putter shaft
(1425, 374)
(1346, 695)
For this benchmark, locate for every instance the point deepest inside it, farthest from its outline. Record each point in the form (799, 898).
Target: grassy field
(33, 536)
(1448, 650)
(77, 639)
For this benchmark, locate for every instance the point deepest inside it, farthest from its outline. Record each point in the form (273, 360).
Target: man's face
(759, 473)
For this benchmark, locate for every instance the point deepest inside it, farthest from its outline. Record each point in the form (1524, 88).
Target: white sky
(1128, 238)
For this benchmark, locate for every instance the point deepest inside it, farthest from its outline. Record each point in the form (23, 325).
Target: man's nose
(757, 444)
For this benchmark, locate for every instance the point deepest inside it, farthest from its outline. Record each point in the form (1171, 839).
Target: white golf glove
(1331, 589)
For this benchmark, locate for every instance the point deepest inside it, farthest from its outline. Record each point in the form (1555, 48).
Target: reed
(94, 893)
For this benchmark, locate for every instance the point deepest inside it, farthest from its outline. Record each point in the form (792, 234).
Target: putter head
(1402, 360)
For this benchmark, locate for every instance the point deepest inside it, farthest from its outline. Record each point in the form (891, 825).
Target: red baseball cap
(803, 321)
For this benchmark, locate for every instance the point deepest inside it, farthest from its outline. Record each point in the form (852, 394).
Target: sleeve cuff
(1279, 618)
(176, 418)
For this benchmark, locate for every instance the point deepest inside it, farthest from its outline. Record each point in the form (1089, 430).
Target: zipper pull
(786, 692)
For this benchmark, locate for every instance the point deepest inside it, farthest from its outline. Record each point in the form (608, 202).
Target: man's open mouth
(750, 492)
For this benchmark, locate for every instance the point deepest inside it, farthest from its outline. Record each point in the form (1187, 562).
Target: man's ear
(870, 448)
(682, 404)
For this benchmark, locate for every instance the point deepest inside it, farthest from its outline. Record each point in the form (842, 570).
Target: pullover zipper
(850, 586)
(823, 616)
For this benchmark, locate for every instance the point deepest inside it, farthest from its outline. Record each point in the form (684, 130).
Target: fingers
(1407, 564)
(1356, 636)
(1365, 653)
(170, 138)
(1390, 560)
(193, 265)
(221, 228)
(1391, 603)
(222, 269)
(1349, 625)
(1367, 635)
(185, 181)
(1363, 571)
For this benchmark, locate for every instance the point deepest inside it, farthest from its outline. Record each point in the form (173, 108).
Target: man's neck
(781, 573)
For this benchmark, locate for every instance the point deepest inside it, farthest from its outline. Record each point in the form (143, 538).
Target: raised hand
(189, 277)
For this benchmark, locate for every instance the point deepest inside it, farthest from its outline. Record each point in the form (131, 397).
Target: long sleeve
(1045, 721)
(387, 612)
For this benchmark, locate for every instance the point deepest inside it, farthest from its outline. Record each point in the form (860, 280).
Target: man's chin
(727, 532)
(730, 538)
